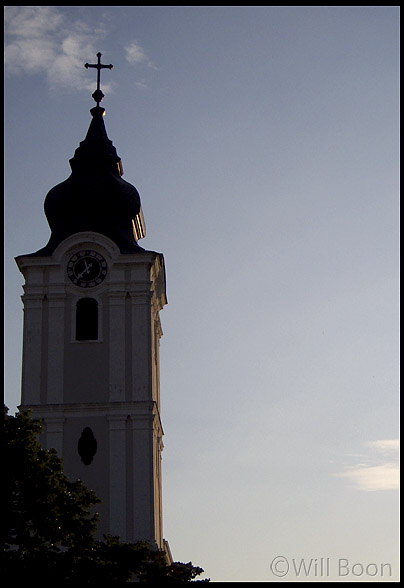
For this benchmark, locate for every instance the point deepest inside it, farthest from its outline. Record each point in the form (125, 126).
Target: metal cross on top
(98, 95)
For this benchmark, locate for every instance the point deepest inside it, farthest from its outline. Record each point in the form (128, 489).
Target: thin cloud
(29, 55)
(31, 21)
(385, 445)
(370, 478)
(379, 470)
(135, 54)
(38, 40)
(44, 40)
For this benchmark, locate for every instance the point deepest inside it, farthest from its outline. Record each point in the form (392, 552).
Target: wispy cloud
(378, 470)
(135, 54)
(385, 445)
(39, 40)
(56, 42)
(29, 21)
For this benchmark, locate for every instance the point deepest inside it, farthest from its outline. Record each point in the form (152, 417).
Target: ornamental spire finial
(98, 95)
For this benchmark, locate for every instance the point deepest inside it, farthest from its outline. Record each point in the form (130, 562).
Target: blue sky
(264, 144)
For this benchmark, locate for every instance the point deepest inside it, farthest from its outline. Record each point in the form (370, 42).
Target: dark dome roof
(94, 197)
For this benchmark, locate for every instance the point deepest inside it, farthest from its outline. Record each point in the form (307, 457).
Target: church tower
(90, 372)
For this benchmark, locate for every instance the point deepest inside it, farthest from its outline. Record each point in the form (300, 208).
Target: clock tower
(92, 299)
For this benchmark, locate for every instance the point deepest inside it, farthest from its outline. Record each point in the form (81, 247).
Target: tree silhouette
(49, 526)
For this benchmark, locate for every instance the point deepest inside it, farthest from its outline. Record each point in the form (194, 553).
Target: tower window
(87, 320)
(87, 446)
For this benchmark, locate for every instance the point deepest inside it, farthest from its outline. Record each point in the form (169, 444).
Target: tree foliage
(49, 526)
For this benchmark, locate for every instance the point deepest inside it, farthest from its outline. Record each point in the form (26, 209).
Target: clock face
(87, 268)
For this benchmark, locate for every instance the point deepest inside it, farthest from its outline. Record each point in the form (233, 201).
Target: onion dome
(95, 197)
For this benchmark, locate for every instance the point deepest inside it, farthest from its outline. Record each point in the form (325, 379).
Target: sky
(263, 142)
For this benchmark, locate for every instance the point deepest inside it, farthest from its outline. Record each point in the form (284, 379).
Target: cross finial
(98, 95)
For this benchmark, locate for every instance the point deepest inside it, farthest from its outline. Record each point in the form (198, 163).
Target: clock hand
(86, 271)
